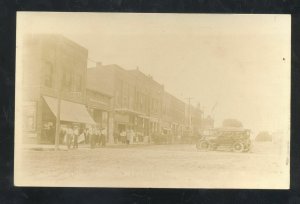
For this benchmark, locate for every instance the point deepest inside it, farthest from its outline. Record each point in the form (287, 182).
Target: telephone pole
(58, 117)
(59, 90)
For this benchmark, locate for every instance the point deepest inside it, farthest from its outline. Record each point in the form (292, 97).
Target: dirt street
(154, 166)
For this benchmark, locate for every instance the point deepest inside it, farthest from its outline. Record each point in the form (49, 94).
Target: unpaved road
(154, 166)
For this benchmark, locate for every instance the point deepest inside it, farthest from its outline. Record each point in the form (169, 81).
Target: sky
(235, 66)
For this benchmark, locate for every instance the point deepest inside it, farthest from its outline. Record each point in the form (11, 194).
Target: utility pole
(59, 85)
(190, 120)
(189, 101)
(149, 114)
(58, 118)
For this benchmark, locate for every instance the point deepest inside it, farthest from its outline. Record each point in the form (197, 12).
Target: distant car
(234, 139)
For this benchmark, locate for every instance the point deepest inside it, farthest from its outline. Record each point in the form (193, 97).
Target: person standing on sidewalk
(85, 133)
(116, 137)
(62, 135)
(93, 137)
(97, 137)
(129, 135)
(89, 133)
(123, 136)
(103, 137)
(69, 135)
(76, 134)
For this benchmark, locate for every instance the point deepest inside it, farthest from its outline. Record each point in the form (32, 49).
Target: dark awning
(126, 110)
(69, 111)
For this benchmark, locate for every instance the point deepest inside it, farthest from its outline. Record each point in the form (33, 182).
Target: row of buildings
(108, 96)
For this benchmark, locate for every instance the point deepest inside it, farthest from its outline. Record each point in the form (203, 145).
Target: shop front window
(67, 80)
(78, 82)
(29, 119)
(29, 123)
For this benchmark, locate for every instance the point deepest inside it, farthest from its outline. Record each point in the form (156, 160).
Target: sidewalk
(62, 147)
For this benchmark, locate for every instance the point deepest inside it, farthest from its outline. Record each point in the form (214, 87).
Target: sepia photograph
(152, 100)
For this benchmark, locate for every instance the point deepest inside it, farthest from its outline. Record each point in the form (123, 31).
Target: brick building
(118, 100)
(120, 85)
(173, 120)
(196, 119)
(141, 104)
(193, 121)
(99, 101)
(52, 66)
(148, 101)
(136, 100)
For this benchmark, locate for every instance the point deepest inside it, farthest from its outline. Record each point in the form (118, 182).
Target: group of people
(128, 137)
(72, 135)
(69, 136)
(95, 136)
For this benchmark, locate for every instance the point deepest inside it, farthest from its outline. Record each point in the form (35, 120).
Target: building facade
(173, 120)
(148, 100)
(118, 100)
(196, 119)
(99, 106)
(114, 81)
(140, 104)
(54, 72)
(193, 121)
(136, 101)
(99, 99)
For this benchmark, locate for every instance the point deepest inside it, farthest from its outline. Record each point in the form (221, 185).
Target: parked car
(234, 139)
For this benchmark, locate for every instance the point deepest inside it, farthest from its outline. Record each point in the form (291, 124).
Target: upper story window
(67, 80)
(78, 82)
(118, 98)
(48, 75)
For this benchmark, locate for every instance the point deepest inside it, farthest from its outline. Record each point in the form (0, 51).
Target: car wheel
(203, 145)
(238, 147)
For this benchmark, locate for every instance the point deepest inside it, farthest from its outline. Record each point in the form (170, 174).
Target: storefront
(99, 107)
(122, 122)
(29, 125)
(70, 114)
(132, 121)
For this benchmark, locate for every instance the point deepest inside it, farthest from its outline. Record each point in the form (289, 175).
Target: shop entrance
(121, 127)
(48, 125)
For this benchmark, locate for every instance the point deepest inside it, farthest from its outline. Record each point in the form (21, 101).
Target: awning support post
(57, 123)
(58, 104)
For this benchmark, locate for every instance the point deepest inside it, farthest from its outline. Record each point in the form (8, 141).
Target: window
(67, 80)
(48, 75)
(118, 98)
(152, 104)
(29, 117)
(78, 79)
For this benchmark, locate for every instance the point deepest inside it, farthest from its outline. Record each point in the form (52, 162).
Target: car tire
(203, 145)
(238, 147)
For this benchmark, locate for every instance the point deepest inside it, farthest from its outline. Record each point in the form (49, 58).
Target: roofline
(146, 76)
(106, 94)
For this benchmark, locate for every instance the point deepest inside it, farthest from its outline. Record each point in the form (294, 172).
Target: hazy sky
(241, 63)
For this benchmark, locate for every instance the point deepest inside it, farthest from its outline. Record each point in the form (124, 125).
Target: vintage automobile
(233, 139)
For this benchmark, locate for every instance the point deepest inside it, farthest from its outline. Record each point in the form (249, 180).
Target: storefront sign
(122, 118)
